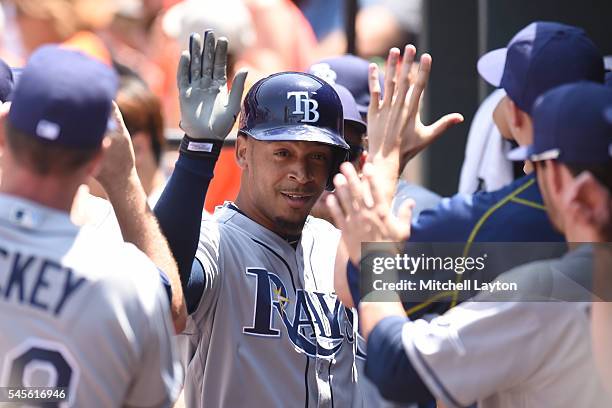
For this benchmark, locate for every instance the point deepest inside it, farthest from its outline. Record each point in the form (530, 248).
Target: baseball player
(483, 217)
(499, 354)
(589, 208)
(265, 327)
(82, 313)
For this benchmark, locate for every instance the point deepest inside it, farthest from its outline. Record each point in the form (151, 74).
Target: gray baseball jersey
(515, 354)
(269, 330)
(81, 312)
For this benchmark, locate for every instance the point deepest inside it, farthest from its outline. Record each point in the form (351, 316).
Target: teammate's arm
(158, 378)
(137, 222)
(208, 113)
(389, 121)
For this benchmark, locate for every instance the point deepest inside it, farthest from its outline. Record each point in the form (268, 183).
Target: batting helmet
(293, 106)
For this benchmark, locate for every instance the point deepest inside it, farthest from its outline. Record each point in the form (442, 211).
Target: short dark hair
(43, 156)
(141, 110)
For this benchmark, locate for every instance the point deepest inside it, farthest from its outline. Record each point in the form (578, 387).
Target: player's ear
(515, 115)
(555, 176)
(501, 118)
(242, 147)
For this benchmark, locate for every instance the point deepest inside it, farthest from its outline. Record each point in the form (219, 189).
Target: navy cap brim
(491, 66)
(521, 153)
(299, 133)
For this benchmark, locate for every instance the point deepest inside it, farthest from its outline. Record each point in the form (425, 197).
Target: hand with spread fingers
(395, 131)
(362, 212)
(418, 136)
(207, 111)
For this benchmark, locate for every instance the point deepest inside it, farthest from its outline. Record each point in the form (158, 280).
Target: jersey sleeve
(159, 376)
(478, 348)
(179, 212)
(208, 263)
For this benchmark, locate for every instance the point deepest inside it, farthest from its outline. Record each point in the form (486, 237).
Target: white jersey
(81, 312)
(514, 354)
(269, 330)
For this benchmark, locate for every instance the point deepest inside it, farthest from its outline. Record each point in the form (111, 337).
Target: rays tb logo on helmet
(294, 106)
(309, 106)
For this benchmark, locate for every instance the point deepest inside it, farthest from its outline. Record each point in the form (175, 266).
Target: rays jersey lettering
(304, 105)
(312, 319)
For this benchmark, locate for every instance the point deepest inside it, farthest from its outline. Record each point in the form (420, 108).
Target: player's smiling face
(281, 181)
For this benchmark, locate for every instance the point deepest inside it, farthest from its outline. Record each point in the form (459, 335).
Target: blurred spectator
(282, 28)
(141, 111)
(142, 115)
(386, 24)
(232, 20)
(137, 41)
(328, 23)
(71, 22)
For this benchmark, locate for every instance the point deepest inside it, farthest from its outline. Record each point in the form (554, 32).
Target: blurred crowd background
(143, 40)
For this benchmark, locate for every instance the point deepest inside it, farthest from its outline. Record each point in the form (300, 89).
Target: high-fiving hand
(395, 131)
(362, 212)
(119, 162)
(207, 111)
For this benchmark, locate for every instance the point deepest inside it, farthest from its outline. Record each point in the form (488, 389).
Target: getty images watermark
(494, 271)
(414, 264)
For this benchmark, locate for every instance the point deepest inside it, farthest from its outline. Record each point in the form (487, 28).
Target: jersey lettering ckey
(81, 311)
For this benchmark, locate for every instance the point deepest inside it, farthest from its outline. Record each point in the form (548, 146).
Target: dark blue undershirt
(179, 212)
(389, 367)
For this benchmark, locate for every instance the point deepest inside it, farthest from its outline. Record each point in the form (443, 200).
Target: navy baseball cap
(65, 97)
(570, 124)
(349, 71)
(349, 108)
(541, 56)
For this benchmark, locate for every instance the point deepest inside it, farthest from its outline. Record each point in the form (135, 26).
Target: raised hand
(418, 136)
(118, 164)
(395, 131)
(362, 212)
(207, 110)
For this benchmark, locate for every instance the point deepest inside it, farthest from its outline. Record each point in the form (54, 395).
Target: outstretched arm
(364, 215)
(138, 224)
(391, 130)
(208, 113)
